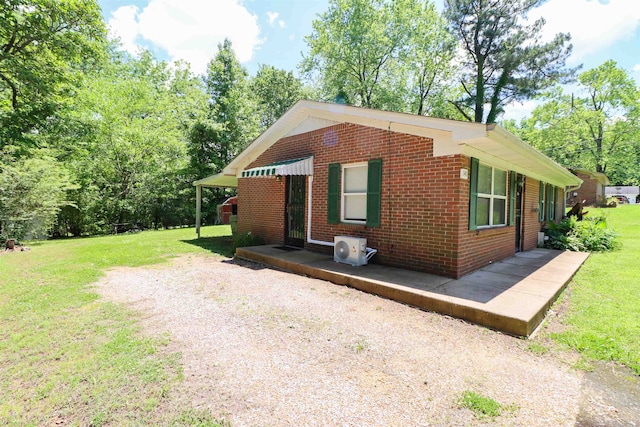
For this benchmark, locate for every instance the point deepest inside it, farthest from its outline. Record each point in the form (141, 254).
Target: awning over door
(303, 166)
(218, 180)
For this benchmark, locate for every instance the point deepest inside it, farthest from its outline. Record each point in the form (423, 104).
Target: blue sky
(272, 31)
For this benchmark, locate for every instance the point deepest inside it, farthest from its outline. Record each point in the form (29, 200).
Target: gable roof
(598, 176)
(489, 143)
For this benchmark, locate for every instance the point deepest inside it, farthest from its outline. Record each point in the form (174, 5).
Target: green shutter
(512, 198)
(333, 194)
(541, 202)
(549, 202)
(374, 192)
(473, 193)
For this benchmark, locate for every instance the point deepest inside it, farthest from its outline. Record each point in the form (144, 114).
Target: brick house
(592, 189)
(433, 195)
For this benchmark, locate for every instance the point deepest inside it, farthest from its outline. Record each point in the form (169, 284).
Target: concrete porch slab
(512, 296)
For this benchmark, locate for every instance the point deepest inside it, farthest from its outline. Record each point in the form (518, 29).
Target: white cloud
(124, 25)
(292, 37)
(593, 26)
(636, 68)
(272, 16)
(519, 110)
(189, 30)
(281, 23)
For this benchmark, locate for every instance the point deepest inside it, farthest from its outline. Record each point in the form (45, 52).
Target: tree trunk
(479, 107)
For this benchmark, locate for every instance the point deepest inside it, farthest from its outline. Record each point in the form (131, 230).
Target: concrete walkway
(512, 296)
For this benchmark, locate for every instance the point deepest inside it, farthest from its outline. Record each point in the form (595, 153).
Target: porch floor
(512, 295)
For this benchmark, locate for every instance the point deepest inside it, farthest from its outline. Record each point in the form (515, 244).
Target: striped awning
(303, 166)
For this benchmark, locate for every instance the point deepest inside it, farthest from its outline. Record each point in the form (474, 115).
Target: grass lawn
(67, 357)
(603, 319)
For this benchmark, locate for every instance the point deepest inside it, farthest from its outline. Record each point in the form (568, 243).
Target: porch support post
(198, 208)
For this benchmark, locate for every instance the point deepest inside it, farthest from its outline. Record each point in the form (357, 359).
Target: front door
(294, 210)
(519, 199)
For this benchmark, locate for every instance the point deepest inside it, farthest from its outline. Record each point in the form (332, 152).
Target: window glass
(499, 208)
(354, 194)
(500, 182)
(484, 179)
(355, 179)
(355, 207)
(482, 212)
(491, 207)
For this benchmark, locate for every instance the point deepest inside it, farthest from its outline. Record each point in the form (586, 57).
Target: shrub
(247, 239)
(589, 235)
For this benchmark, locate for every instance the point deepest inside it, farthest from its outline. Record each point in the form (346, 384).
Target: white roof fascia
(445, 132)
(309, 125)
(450, 137)
(543, 169)
(289, 120)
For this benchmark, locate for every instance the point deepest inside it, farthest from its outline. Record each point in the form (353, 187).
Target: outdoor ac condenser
(350, 250)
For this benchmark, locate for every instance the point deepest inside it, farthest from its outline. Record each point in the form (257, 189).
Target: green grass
(483, 406)
(66, 356)
(603, 318)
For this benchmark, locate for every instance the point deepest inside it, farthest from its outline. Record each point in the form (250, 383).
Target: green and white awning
(303, 166)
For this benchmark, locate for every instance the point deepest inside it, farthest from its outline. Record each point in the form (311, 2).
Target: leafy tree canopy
(276, 90)
(44, 45)
(504, 58)
(392, 55)
(597, 127)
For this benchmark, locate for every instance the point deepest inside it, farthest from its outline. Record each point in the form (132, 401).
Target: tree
(230, 121)
(393, 55)
(34, 190)
(504, 60)
(350, 48)
(276, 90)
(45, 45)
(428, 55)
(597, 127)
(131, 159)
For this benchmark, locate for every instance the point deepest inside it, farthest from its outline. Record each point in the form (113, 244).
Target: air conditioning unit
(350, 250)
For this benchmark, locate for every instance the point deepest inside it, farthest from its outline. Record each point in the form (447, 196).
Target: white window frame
(344, 195)
(494, 196)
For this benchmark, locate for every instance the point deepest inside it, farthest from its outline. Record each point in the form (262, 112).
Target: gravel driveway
(264, 347)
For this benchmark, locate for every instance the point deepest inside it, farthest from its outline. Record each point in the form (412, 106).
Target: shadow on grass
(221, 245)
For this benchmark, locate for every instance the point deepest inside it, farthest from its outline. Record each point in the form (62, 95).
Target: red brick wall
(261, 208)
(588, 191)
(531, 226)
(425, 209)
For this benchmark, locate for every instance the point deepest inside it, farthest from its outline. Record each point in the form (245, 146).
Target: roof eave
(548, 171)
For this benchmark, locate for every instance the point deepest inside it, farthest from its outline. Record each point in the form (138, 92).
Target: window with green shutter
(355, 192)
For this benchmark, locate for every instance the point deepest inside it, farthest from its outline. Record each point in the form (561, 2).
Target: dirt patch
(265, 347)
